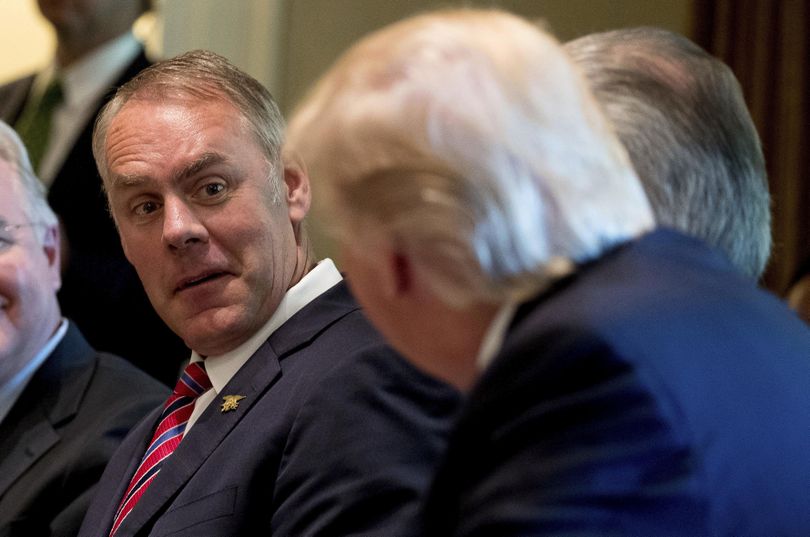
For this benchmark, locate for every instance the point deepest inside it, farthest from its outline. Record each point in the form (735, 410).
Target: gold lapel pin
(231, 402)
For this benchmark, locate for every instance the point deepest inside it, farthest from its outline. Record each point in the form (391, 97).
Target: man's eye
(145, 208)
(212, 192)
(212, 189)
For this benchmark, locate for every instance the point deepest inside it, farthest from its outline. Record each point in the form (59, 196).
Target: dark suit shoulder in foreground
(654, 393)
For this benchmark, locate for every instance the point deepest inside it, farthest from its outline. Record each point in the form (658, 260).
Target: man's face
(29, 279)
(78, 18)
(191, 193)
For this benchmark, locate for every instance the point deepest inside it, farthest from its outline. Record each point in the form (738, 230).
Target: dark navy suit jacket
(336, 435)
(60, 433)
(654, 393)
(100, 291)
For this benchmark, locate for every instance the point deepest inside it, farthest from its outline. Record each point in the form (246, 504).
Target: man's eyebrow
(205, 160)
(128, 181)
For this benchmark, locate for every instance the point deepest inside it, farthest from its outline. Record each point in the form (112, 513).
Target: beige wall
(320, 29)
(26, 39)
(248, 32)
(286, 44)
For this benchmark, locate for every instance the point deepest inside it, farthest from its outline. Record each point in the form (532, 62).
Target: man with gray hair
(292, 417)
(64, 407)
(621, 381)
(53, 111)
(681, 115)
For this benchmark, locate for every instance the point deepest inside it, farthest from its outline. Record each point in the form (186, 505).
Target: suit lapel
(23, 444)
(305, 325)
(128, 455)
(252, 380)
(256, 376)
(51, 398)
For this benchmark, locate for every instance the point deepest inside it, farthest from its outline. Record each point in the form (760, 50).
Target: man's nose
(181, 226)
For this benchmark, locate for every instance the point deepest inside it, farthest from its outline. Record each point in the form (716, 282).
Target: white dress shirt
(84, 84)
(222, 368)
(10, 392)
(493, 338)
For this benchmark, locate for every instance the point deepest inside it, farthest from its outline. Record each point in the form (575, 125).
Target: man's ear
(296, 182)
(52, 250)
(389, 268)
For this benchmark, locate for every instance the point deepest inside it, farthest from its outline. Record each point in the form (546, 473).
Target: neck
(474, 323)
(305, 261)
(450, 340)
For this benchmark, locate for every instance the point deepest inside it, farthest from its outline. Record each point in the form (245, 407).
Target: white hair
(12, 151)
(681, 115)
(468, 139)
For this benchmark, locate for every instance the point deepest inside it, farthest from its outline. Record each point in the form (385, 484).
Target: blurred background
(286, 44)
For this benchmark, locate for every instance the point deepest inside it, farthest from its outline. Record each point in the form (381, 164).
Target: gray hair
(204, 76)
(467, 139)
(12, 151)
(682, 118)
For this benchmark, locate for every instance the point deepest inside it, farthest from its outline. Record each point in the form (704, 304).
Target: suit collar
(311, 320)
(51, 398)
(661, 244)
(11, 390)
(254, 378)
(221, 369)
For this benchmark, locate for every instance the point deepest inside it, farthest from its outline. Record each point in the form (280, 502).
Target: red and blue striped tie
(193, 382)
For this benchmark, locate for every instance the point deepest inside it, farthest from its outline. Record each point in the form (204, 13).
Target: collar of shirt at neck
(493, 338)
(10, 392)
(93, 74)
(222, 368)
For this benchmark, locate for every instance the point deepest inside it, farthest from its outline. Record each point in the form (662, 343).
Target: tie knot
(34, 124)
(194, 381)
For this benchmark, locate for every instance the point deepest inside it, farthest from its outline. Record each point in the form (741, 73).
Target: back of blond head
(469, 141)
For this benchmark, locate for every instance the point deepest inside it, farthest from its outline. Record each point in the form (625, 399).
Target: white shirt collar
(91, 76)
(84, 84)
(222, 368)
(10, 392)
(493, 338)
(95, 73)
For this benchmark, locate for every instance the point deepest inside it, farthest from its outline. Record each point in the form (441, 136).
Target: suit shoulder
(130, 386)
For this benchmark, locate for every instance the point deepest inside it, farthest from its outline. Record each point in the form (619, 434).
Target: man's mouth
(199, 279)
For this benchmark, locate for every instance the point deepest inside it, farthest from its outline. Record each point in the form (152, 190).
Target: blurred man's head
(681, 115)
(466, 165)
(209, 212)
(82, 25)
(29, 260)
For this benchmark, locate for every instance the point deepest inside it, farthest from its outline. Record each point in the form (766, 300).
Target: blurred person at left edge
(53, 111)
